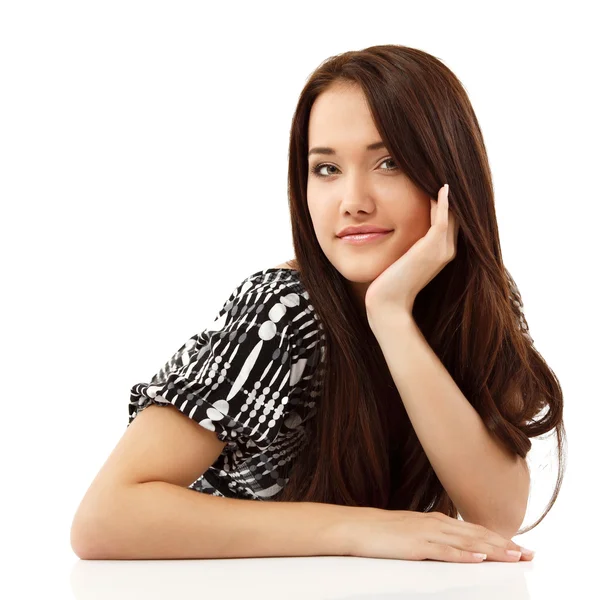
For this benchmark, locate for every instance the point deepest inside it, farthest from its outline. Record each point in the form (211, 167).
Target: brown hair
(361, 448)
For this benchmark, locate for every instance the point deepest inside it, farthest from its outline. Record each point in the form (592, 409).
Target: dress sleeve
(236, 377)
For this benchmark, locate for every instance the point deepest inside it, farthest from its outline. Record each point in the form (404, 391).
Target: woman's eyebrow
(326, 150)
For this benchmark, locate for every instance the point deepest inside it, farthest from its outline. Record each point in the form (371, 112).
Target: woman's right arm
(160, 520)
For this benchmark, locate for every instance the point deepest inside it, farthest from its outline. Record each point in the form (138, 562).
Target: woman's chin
(362, 272)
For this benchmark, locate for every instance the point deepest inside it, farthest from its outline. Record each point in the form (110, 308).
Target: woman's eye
(316, 170)
(392, 161)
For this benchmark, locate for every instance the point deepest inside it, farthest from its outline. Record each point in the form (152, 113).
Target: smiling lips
(357, 229)
(363, 238)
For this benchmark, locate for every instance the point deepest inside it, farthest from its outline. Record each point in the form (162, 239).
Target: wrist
(381, 316)
(346, 532)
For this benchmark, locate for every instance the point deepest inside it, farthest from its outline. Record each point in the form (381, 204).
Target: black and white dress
(253, 376)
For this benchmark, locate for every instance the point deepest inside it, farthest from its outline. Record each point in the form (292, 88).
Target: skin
(359, 187)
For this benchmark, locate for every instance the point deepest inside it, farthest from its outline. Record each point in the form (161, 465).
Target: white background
(143, 174)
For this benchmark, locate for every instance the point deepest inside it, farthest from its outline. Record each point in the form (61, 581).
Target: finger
(447, 553)
(473, 529)
(480, 544)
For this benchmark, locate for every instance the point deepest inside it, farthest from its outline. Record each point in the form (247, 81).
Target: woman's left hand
(400, 283)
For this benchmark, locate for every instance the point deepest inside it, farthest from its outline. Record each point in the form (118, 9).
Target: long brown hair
(361, 449)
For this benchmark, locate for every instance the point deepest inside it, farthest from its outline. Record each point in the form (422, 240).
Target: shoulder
(267, 316)
(290, 264)
(271, 294)
(275, 299)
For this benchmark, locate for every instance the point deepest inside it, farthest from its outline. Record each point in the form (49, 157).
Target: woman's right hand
(412, 535)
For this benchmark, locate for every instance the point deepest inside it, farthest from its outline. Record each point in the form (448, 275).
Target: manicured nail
(527, 551)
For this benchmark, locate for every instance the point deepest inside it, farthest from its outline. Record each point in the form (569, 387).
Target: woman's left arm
(488, 485)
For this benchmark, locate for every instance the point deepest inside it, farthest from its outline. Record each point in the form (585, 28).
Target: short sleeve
(240, 375)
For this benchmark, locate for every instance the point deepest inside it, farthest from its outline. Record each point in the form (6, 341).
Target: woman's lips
(364, 238)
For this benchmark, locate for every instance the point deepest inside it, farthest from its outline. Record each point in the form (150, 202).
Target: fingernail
(527, 551)
(513, 553)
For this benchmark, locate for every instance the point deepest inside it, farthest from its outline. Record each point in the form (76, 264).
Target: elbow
(507, 531)
(521, 497)
(509, 523)
(79, 543)
(501, 525)
(85, 537)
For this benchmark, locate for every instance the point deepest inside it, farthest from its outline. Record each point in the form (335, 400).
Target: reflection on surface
(306, 578)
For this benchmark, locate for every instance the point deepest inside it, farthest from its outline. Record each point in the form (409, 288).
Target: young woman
(370, 390)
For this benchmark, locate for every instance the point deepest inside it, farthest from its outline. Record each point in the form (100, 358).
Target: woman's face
(358, 186)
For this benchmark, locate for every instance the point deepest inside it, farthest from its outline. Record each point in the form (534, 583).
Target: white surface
(138, 138)
(553, 573)
(348, 578)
